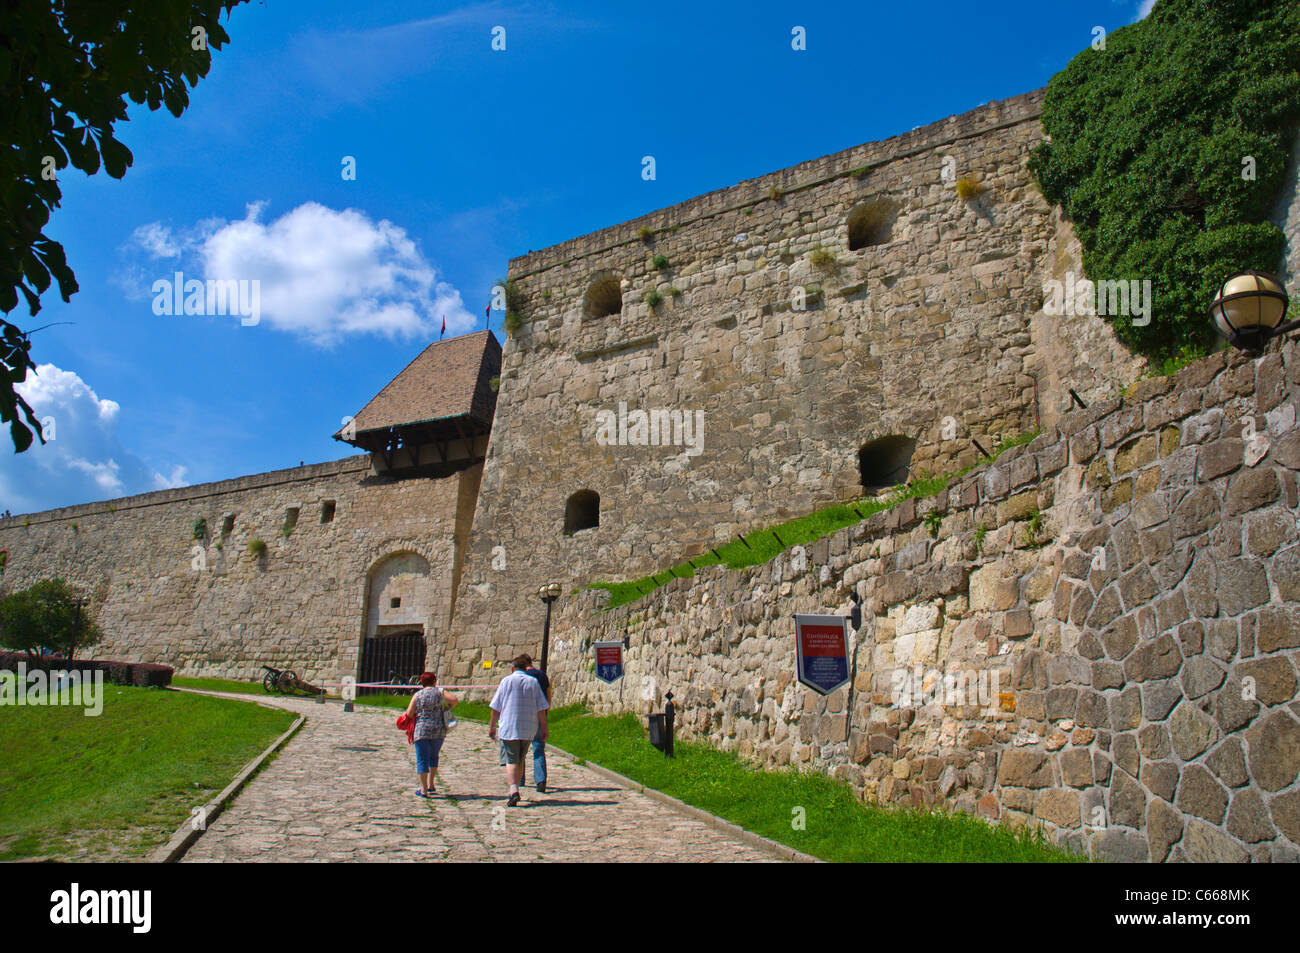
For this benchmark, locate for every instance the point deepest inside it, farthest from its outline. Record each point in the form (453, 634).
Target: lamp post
(1249, 308)
(548, 594)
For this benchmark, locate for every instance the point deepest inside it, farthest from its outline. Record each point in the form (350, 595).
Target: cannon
(286, 681)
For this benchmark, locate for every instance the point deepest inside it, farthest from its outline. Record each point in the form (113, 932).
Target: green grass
(115, 786)
(218, 685)
(762, 545)
(1175, 363)
(838, 826)
(384, 700)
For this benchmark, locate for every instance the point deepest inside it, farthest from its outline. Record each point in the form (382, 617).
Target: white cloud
(1144, 9)
(324, 274)
(156, 238)
(83, 458)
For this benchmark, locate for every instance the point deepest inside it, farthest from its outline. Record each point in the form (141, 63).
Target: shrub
(149, 675)
(822, 258)
(1034, 528)
(119, 673)
(659, 261)
(1146, 154)
(200, 528)
(774, 193)
(653, 298)
(646, 233)
(513, 323)
(257, 548)
(968, 188)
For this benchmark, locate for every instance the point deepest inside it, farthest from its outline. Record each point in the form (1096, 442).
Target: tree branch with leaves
(67, 69)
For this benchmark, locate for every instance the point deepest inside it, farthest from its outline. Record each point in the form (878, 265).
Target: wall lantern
(1248, 310)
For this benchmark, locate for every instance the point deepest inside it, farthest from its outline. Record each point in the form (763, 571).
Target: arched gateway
(399, 614)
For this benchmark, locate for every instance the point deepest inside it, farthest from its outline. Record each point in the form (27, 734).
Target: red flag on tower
(444, 327)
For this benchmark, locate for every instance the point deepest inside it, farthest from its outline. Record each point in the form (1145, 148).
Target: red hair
(428, 678)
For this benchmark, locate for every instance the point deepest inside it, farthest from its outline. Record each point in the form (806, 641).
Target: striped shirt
(517, 701)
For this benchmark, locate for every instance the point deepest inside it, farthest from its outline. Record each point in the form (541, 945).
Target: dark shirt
(538, 674)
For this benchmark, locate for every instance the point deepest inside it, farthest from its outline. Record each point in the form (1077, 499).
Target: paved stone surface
(343, 790)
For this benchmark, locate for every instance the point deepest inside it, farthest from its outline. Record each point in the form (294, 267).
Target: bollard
(670, 711)
(661, 727)
(320, 699)
(347, 706)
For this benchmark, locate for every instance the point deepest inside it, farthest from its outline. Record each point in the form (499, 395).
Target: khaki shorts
(513, 750)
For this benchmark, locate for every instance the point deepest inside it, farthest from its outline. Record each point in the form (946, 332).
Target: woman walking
(427, 706)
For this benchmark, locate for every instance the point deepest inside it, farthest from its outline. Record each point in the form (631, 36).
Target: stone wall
(1122, 596)
(208, 606)
(794, 348)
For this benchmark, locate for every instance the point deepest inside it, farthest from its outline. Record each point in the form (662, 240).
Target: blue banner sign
(822, 651)
(609, 661)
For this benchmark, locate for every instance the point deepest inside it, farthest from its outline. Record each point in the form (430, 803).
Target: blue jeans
(426, 754)
(539, 759)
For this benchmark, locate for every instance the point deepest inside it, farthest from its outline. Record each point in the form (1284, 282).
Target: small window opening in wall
(871, 224)
(885, 462)
(395, 602)
(327, 511)
(581, 512)
(290, 519)
(604, 297)
(228, 525)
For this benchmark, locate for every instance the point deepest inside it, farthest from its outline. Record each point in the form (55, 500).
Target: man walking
(539, 743)
(518, 716)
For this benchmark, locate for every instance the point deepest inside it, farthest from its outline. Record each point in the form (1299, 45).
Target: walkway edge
(712, 820)
(187, 834)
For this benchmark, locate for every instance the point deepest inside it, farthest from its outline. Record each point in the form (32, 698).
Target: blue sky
(465, 157)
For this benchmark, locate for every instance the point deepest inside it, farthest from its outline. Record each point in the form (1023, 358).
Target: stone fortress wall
(209, 607)
(846, 299)
(794, 347)
(1121, 596)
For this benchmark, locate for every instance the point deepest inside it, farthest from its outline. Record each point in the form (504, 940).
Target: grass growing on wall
(761, 545)
(1168, 149)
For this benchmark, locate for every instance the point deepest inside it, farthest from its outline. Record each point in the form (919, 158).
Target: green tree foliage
(66, 70)
(48, 615)
(1148, 141)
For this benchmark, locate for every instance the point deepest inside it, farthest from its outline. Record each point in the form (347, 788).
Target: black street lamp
(1249, 308)
(548, 594)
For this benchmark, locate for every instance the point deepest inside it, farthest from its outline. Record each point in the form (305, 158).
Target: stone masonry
(1126, 587)
(1131, 576)
(795, 347)
(210, 607)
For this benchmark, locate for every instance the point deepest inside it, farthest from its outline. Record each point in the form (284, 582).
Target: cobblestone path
(343, 789)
